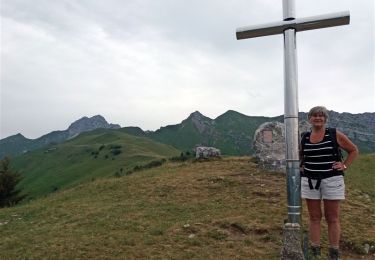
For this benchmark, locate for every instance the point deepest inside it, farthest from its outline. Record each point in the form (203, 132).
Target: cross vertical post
(292, 239)
(289, 27)
(291, 117)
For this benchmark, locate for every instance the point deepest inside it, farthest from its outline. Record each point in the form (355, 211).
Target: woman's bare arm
(345, 143)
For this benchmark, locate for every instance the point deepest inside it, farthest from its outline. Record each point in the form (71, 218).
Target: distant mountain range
(18, 144)
(231, 132)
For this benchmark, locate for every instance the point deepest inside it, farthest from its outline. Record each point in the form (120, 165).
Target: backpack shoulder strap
(332, 134)
(304, 137)
(336, 147)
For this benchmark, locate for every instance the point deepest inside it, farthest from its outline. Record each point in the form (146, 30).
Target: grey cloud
(65, 59)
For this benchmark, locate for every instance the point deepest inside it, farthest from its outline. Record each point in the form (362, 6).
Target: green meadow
(97, 154)
(217, 209)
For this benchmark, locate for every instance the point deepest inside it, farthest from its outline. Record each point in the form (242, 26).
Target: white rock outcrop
(206, 152)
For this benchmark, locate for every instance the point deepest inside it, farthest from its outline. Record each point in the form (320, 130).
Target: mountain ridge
(18, 144)
(232, 132)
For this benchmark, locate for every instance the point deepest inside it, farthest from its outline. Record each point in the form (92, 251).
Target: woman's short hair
(318, 110)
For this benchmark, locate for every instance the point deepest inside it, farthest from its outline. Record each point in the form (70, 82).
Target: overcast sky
(150, 63)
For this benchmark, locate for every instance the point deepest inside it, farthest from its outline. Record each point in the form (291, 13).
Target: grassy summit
(96, 154)
(221, 209)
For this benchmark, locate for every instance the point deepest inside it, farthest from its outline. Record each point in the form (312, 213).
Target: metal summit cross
(289, 26)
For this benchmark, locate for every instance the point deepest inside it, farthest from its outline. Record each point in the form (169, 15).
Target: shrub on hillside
(114, 146)
(116, 151)
(9, 194)
(95, 153)
(149, 165)
(155, 163)
(183, 157)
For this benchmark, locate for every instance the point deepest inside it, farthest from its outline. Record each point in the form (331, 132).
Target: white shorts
(332, 188)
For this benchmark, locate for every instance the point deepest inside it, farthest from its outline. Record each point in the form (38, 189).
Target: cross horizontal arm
(300, 24)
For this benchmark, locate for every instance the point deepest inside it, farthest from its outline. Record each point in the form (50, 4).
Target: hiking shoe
(314, 252)
(333, 254)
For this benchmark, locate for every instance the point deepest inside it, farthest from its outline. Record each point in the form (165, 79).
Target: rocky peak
(14, 138)
(196, 115)
(199, 121)
(18, 136)
(86, 124)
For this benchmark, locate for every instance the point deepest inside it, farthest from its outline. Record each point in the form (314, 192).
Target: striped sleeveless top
(319, 158)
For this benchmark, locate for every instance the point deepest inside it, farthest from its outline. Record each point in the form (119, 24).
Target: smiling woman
(322, 177)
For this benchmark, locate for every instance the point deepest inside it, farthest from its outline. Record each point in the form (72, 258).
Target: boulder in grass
(206, 152)
(269, 145)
